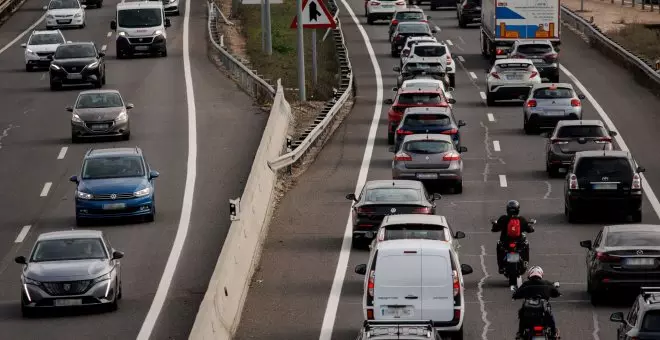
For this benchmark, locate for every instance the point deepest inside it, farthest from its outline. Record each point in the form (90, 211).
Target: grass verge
(638, 38)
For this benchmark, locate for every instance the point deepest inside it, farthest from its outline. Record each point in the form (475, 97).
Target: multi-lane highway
(37, 158)
(305, 285)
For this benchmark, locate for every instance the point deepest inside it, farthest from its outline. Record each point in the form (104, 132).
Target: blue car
(429, 120)
(115, 182)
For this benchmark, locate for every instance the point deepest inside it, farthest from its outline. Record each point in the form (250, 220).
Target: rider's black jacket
(502, 223)
(535, 287)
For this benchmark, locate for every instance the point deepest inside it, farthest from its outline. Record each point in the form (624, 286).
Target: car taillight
(449, 60)
(495, 75)
(405, 53)
(374, 3)
(573, 182)
(531, 103)
(512, 245)
(534, 74)
(371, 284)
(402, 157)
(403, 132)
(426, 21)
(558, 141)
(499, 51)
(394, 22)
(457, 284)
(538, 329)
(576, 102)
(637, 182)
(551, 58)
(457, 314)
(424, 210)
(399, 37)
(370, 314)
(603, 140)
(450, 132)
(400, 3)
(452, 156)
(365, 211)
(604, 257)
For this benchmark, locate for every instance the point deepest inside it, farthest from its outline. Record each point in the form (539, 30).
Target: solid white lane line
(450, 43)
(62, 153)
(503, 183)
(491, 117)
(104, 47)
(473, 75)
(648, 191)
(188, 192)
(109, 34)
(21, 235)
(46, 189)
(482, 94)
(596, 326)
(461, 59)
(496, 145)
(20, 36)
(345, 252)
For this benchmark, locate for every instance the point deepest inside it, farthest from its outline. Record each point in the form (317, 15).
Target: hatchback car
(100, 113)
(468, 12)
(571, 136)
(603, 181)
(622, 257)
(75, 64)
(425, 120)
(417, 226)
(408, 29)
(69, 269)
(427, 83)
(643, 319)
(435, 52)
(410, 42)
(546, 104)
(408, 14)
(382, 9)
(509, 79)
(542, 53)
(411, 97)
(64, 13)
(115, 182)
(40, 48)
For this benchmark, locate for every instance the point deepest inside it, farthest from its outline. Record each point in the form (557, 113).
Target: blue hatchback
(429, 120)
(113, 183)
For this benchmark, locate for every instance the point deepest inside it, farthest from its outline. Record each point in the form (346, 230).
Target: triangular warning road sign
(315, 15)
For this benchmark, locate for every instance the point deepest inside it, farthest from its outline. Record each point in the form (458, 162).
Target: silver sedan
(430, 158)
(546, 104)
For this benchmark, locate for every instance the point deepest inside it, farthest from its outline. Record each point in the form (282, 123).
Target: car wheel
(370, 20)
(358, 243)
(81, 222)
(365, 12)
(636, 216)
(126, 136)
(458, 187)
(461, 23)
(83, 25)
(163, 53)
(527, 126)
(394, 53)
(120, 291)
(150, 217)
(28, 67)
(553, 171)
(452, 80)
(457, 335)
(103, 78)
(55, 86)
(114, 305)
(27, 312)
(177, 13)
(99, 84)
(490, 100)
(74, 138)
(571, 214)
(99, 5)
(390, 138)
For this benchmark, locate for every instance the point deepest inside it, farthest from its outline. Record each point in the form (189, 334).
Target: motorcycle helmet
(512, 208)
(535, 271)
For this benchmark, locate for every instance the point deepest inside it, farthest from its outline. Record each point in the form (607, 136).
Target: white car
(408, 45)
(381, 9)
(65, 13)
(435, 52)
(428, 84)
(40, 48)
(511, 80)
(417, 226)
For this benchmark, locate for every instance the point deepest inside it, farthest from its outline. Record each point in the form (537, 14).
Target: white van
(415, 279)
(140, 28)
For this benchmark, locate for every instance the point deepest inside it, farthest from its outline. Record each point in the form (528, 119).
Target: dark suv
(468, 12)
(542, 53)
(405, 30)
(77, 63)
(643, 319)
(603, 181)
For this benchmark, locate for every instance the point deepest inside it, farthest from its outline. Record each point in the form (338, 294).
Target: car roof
(409, 9)
(602, 153)
(396, 183)
(632, 227)
(427, 109)
(422, 82)
(391, 246)
(424, 136)
(77, 43)
(530, 42)
(424, 37)
(427, 43)
(38, 32)
(113, 152)
(414, 218)
(548, 85)
(139, 4)
(68, 234)
(99, 91)
(586, 122)
(421, 89)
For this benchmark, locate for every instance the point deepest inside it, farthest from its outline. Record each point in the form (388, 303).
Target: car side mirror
(450, 89)
(613, 133)
(24, 45)
(116, 255)
(396, 69)
(586, 244)
(461, 123)
(581, 96)
(466, 269)
(428, 17)
(113, 25)
(361, 269)
(351, 197)
(459, 235)
(436, 196)
(641, 169)
(557, 49)
(20, 260)
(168, 22)
(83, 6)
(451, 101)
(462, 149)
(101, 54)
(153, 174)
(617, 317)
(69, 108)
(129, 106)
(388, 101)
(434, 31)
(394, 89)
(45, 8)
(74, 179)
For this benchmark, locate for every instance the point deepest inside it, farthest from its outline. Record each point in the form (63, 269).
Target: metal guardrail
(247, 79)
(8, 6)
(334, 105)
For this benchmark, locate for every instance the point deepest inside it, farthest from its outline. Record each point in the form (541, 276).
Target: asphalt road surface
(291, 296)
(37, 158)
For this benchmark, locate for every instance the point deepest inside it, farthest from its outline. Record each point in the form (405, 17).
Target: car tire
(359, 243)
(150, 217)
(74, 139)
(527, 126)
(83, 25)
(126, 136)
(163, 53)
(28, 68)
(114, 305)
(103, 78)
(55, 86)
(636, 216)
(365, 12)
(81, 222)
(370, 20)
(490, 100)
(100, 4)
(572, 215)
(27, 312)
(394, 53)
(461, 23)
(457, 335)
(98, 84)
(177, 13)
(553, 171)
(458, 187)
(390, 138)
(452, 80)
(120, 291)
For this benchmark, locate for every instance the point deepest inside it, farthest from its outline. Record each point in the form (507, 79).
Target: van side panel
(397, 290)
(437, 288)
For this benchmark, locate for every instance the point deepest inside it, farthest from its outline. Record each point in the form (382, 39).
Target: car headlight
(75, 118)
(29, 51)
(50, 17)
(121, 34)
(93, 65)
(83, 195)
(78, 15)
(102, 278)
(122, 117)
(158, 32)
(143, 192)
(55, 67)
(171, 1)
(29, 281)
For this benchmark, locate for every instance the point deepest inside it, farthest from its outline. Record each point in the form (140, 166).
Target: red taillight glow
(395, 22)
(603, 140)
(457, 284)
(402, 157)
(636, 182)
(604, 257)
(558, 141)
(422, 210)
(495, 75)
(403, 132)
(450, 132)
(512, 245)
(449, 60)
(534, 74)
(457, 314)
(576, 102)
(365, 211)
(516, 56)
(452, 156)
(499, 51)
(538, 328)
(372, 283)
(400, 3)
(370, 314)
(552, 57)
(531, 103)
(399, 37)
(467, 6)
(573, 183)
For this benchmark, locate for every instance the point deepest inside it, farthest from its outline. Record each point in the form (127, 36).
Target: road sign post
(314, 60)
(301, 51)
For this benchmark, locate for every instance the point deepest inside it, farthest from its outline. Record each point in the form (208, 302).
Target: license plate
(537, 60)
(478, 8)
(99, 126)
(640, 261)
(514, 77)
(562, 170)
(399, 47)
(512, 257)
(114, 206)
(427, 176)
(554, 112)
(74, 76)
(604, 186)
(63, 21)
(68, 302)
(369, 234)
(387, 6)
(397, 312)
(141, 48)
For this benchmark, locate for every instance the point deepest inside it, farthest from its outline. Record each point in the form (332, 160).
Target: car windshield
(632, 239)
(392, 195)
(413, 28)
(651, 321)
(75, 51)
(409, 16)
(513, 67)
(415, 231)
(68, 249)
(46, 39)
(430, 50)
(534, 49)
(581, 131)
(145, 17)
(416, 120)
(99, 100)
(61, 4)
(420, 98)
(428, 147)
(112, 167)
(553, 93)
(593, 167)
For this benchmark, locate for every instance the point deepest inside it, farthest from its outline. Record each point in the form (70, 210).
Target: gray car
(68, 269)
(430, 158)
(100, 113)
(547, 104)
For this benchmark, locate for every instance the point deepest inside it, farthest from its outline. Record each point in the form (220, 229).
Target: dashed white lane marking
(491, 117)
(62, 153)
(109, 34)
(46, 189)
(21, 235)
(596, 326)
(461, 59)
(482, 94)
(480, 294)
(450, 43)
(104, 47)
(496, 145)
(20, 36)
(503, 183)
(549, 191)
(473, 75)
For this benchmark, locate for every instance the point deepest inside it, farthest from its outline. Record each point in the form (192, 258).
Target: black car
(603, 181)
(622, 257)
(77, 63)
(387, 197)
(542, 53)
(406, 15)
(643, 319)
(571, 136)
(468, 12)
(405, 30)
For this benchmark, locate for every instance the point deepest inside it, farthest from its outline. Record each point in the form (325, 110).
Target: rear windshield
(514, 67)
(616, 168)
(411, 42)
(415, 231)
(430, 50)
(557, 93)
(409, 16)
(428, 147)
(392, 195)
(413, 28)
(632, 239)
(420, 98)
(581, 131)
(651, 321)
(422, 67)
(535, 49)
(426, 120)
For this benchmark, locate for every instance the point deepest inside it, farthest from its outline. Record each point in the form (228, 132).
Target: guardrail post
(657, 64)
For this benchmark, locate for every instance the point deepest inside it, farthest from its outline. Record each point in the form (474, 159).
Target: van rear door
(397, 288)
(437, 286)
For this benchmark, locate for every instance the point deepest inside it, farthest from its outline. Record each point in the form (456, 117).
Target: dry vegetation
(642, 41)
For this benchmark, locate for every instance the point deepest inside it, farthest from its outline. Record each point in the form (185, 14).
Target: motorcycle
(536, 329)
(514, 266)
